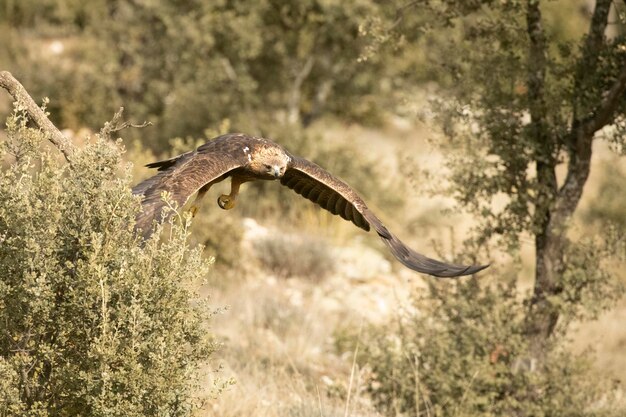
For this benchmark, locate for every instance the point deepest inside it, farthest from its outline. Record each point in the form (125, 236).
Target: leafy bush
(92, 321)
(462, 352)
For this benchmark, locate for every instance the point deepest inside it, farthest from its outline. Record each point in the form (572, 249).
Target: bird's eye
(267, 166)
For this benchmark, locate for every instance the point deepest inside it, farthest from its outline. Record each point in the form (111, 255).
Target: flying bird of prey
(244, 158)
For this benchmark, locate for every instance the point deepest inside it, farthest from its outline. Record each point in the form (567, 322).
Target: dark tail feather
(424, 264)
(167, 163)
(163, 165)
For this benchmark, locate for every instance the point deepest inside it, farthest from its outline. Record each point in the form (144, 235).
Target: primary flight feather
(244, 158)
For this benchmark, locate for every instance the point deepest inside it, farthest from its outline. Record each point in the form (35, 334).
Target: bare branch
(20, 95)
(116, 124)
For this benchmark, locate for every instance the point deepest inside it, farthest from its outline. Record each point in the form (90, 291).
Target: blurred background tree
(186, 66)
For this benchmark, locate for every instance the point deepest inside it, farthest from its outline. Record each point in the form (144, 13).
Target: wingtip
(420, 263)
(471, 270)
(481, 267)
(455, 271)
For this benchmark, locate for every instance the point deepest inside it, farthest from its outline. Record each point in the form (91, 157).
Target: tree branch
(542, 316)
(536, 67)
(581, 136)
(590, 52)
(599, 21)
(605, 111)
(116, 124)
(400, 13)
(20, 95)
(537, 64)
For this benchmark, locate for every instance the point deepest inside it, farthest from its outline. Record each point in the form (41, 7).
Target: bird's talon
(225, 202)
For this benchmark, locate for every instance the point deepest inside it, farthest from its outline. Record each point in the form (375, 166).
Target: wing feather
(184, 175)
(315, 193)
(299, 187)
(318, 185)
(347, 212)
(330, 204)
(339, 207)
(291, 182)
(308, 190)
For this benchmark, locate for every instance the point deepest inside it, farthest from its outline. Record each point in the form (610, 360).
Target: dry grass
(278, 337)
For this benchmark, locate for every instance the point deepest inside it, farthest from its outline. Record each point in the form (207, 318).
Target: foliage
(187, 66)
(528, 98)
(461, 350)
(93, 322)
(489, 115)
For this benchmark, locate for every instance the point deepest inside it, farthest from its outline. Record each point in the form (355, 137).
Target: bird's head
(269, 162)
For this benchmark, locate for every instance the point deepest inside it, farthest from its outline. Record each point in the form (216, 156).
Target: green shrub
(92, 321)
(461, 351)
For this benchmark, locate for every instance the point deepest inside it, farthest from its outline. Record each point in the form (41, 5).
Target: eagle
(244, 158)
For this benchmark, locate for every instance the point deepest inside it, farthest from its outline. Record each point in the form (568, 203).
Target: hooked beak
(276, 171)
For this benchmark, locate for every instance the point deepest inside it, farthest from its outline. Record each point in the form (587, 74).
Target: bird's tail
(167, 163)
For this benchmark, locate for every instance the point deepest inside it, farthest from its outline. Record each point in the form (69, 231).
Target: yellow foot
(193, 210)
(226, 202)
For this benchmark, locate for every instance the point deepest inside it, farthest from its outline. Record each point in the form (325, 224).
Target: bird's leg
(227, 202)
(197, 202)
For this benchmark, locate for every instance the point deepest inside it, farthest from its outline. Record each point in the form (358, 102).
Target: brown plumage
(244, 158)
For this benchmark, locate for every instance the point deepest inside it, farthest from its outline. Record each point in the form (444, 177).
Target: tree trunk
(551, 243)
(555, 207)
(293, 107)
(542, 316)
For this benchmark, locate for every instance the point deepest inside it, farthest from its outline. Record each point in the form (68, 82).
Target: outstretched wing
(318, 185)
(184, 175)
